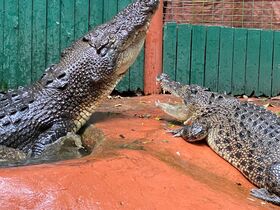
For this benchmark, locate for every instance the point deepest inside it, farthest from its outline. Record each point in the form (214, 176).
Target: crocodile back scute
(247, 136)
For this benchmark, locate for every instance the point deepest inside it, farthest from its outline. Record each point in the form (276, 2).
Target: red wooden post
(153, 53)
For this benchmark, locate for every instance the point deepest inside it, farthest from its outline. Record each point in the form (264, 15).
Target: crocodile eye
(103, 51)
(86, 38)
(194, 91)
(63, 74)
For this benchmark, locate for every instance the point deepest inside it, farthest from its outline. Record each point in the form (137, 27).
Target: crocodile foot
(194, 132)
(8, 154)
(56, 148)
(263, 194)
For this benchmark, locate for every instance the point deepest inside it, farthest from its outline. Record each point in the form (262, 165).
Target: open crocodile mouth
(132, 48)
(137, 36)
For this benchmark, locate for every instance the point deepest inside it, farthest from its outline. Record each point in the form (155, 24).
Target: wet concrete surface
(134, 164)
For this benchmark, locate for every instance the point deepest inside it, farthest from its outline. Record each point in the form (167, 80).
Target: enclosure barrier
(234, 60)
(33, 33)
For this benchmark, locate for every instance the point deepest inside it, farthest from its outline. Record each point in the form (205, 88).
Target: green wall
(34, 32)
(233, 60)
(239, 61)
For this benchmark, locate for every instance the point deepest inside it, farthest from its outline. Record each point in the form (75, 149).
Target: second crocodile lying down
(33, 117)
(244, 134)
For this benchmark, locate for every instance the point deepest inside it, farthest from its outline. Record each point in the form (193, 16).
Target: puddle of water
(93, 142)
(68, 150)
(68, 147)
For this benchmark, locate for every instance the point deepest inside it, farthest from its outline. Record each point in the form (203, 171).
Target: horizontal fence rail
(33, 33)
(233, 60)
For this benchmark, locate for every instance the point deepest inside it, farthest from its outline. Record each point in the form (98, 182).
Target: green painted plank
(226, 57)
(10, 66)
(25, 42)
(212, 58)
(124, 83)
(110, 9)
(198, 54)
(252, 62)
(123, 3)
(39, 37)
(183, 65)
(276, 65)
(2, 13)
(53, 31)
(81, 17)
(95, 13)
(169, 49)
(239, 61)
(136, 73)
(265, 63)
(67, 35)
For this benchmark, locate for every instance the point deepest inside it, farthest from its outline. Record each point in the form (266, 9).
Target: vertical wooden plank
(67, 23)
(169, 49)
(276, 65)
(81, 17)
(136, 73)
(153, 53)
(25, 38)
(124, 83)
(39, 37)
(10, 67)
(252, 62)
(2, 12)
(239, 61)
(226, 56)
(53, 31)
(265, 63)
(183, 53)
(212, 58)
(198, 54)
(110, 9)
(95, 13)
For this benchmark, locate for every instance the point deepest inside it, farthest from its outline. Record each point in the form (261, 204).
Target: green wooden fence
(235, 60)
(239, 61)
(34, 32)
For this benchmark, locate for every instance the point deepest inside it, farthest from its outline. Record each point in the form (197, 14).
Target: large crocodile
(68, 93)
(244, 134)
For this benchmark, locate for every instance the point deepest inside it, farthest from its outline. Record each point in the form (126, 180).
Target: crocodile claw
(263, 194)
(176, 132)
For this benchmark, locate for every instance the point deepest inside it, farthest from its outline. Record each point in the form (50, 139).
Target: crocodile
(35, 116)
(244, 134)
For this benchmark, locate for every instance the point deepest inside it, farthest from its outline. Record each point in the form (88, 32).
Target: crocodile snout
(163, 77)
(151, 5)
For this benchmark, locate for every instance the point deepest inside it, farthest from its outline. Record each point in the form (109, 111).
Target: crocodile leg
(194, 132)
(272, 183)
(51, 135)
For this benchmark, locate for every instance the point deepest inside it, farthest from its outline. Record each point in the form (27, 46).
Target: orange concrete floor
(136, 166)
